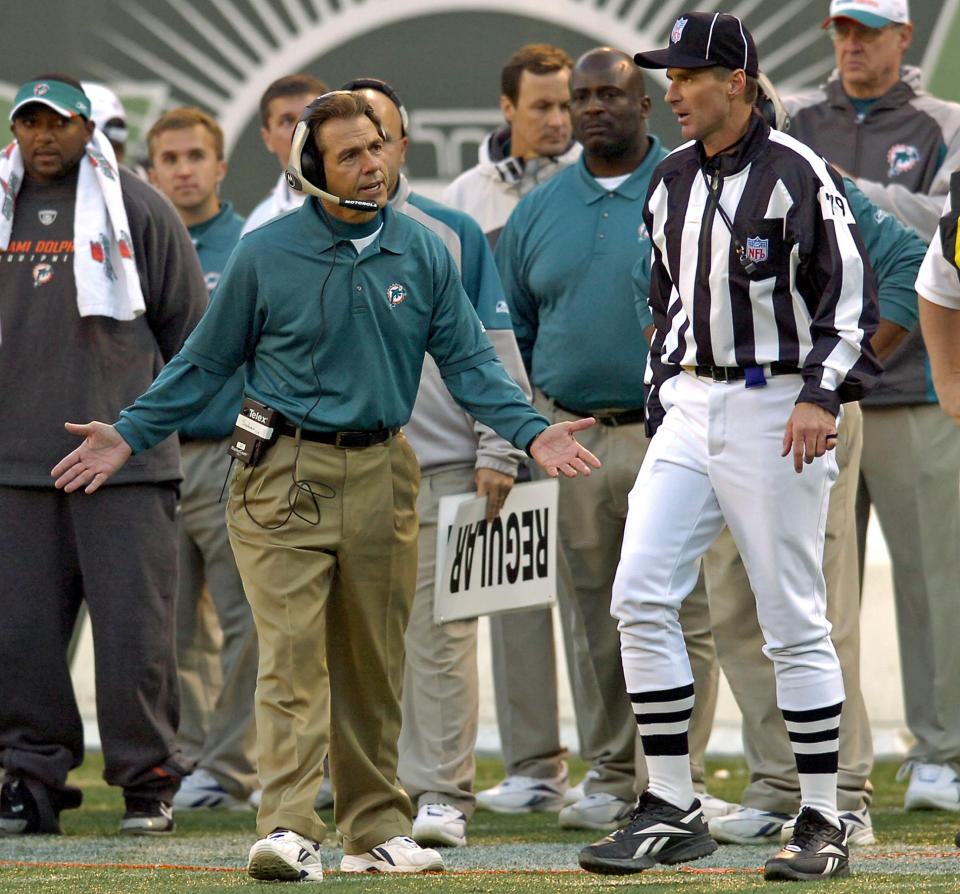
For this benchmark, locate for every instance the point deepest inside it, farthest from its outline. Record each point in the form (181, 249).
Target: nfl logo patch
(757, 249)
(678, 27)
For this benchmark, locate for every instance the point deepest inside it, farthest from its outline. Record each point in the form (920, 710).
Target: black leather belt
(736, 373)
(343, 439)
(625, 417)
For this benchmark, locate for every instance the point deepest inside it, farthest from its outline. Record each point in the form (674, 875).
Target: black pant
(116, 549)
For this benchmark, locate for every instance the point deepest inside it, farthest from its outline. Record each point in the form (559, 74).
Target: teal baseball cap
(63, 98)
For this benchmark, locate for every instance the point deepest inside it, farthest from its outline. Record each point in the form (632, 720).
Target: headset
(305, 170)
(388, 91)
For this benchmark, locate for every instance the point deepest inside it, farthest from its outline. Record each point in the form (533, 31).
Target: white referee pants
(716, 459)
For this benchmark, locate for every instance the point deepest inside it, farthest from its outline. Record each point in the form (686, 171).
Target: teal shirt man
(570, 293)
(333, 339)
(214, 240)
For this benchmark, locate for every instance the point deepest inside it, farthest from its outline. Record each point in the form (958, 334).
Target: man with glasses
(900, 145)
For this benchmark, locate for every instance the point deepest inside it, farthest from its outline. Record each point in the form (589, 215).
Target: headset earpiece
(311, 165)
(305, 171)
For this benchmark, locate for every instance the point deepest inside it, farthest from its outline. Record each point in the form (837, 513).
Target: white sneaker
(713, 807)
(747, 825)
(285, 856)
(525, 794)
(440, 824)
(400, 854)
(601, 810)
(200, 791)
(932, 787)
(856, 823)
(579, 792)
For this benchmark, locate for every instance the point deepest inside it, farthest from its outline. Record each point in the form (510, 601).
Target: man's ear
(507, 108)
(91, 127)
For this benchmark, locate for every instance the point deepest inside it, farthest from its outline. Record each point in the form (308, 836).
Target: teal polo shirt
(335, 340)
(566, 258)
(214, 240)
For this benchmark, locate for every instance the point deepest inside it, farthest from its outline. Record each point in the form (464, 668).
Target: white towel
(104, 268)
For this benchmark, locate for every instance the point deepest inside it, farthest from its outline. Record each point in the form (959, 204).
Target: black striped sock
(663, 718)
(815, 739)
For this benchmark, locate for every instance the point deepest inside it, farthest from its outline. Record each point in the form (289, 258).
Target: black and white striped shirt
(803, 292)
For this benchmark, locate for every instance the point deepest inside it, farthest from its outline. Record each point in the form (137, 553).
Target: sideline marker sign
(510, 564)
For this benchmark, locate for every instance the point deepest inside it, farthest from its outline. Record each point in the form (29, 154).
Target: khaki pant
(330, 580)
(909, 472)
(218, 674)
(441, 693)
(773, 771)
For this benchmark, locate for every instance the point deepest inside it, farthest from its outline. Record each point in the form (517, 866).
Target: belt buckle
(721, 374)
(338, 440)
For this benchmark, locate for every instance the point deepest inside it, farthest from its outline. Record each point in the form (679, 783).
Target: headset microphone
(302, 155)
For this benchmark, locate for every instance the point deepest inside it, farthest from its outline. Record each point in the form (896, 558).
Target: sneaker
(579, 791)
(201, 791)
(748, 825)
(657, 832)
(856, 823)
(146, 816)
(713, 807)
(601, 810)
(816, 850)
(440, 824)
(18, 808)
(932, 787)
(285, 856)
(400, 854)
(28, 807)
(526, 794)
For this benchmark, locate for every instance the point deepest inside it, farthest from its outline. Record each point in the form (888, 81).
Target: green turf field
(530, 854)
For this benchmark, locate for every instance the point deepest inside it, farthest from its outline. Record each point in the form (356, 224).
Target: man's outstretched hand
(101, 454)
(556, 450)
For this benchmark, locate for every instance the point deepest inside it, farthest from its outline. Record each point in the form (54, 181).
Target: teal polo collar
(633, 188)
(317, 224)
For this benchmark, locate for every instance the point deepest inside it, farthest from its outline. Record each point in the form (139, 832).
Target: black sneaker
(817, 849)
(146, 816)
(18, 809)
(28, 807)
(656, 832)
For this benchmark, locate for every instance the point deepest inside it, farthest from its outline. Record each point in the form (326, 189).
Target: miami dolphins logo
(395, 294)
(901, 158)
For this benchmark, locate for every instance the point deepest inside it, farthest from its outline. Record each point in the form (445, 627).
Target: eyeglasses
(843, 30)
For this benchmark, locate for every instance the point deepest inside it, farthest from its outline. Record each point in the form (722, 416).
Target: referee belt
(624, 417)
(344, 439)
(738, 373)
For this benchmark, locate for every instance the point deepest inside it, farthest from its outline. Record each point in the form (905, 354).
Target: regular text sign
(507, 565)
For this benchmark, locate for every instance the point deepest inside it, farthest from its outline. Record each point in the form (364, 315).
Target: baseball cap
(704, 39)
(872, 13)
(63, 98)
(106, 110)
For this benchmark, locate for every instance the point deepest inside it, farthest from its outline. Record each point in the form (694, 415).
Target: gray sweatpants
(116, 549)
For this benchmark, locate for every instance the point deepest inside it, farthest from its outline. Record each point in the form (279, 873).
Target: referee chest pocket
(763, 246)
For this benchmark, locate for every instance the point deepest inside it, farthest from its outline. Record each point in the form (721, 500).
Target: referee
(763, 302)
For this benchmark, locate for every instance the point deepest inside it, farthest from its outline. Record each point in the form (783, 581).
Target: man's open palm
(101, 454)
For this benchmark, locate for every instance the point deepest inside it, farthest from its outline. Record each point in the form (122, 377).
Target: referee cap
(705, 39)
